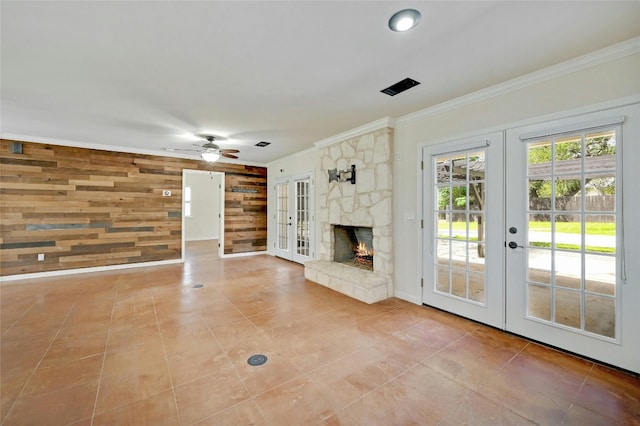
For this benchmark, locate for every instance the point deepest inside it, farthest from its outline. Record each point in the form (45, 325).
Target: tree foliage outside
(599, 145)
(458, 198)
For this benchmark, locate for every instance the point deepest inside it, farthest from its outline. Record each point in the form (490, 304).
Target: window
(187, 201)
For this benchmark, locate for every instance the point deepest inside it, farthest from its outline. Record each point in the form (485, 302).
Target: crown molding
(382, 123)
(611, 53)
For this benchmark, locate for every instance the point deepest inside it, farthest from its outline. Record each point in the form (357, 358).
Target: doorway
(566, 252)
(524, 231)
(294, 218)
(203, 211)
(462, 204)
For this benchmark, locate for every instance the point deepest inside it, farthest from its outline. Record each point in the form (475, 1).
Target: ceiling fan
(209, 151)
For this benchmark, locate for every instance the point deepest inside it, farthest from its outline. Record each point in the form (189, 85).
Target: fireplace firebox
(353, 245)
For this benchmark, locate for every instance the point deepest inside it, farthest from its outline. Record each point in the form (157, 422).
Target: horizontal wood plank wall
(87, 208)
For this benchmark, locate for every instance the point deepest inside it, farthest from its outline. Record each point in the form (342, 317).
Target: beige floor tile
(297, 402)
(473, 359)
(246, 413)
(60, 407)
(477, 410)
(209, 395)
(351, 377)
(132, 374)
(157, 410)
(56, 378)
(142, 346)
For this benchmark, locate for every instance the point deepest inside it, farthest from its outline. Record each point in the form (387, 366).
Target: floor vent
(257, 359)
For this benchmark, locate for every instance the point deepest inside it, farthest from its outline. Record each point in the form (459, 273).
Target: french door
(566, 256)
(534, 231)
(463, 221)
(294, 218)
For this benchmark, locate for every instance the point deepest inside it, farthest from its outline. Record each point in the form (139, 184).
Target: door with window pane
(564, 245)
(463, 268)
(294, 219)
(283, 220)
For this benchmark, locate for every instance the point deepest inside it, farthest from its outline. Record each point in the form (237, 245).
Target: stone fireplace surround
(368, 203)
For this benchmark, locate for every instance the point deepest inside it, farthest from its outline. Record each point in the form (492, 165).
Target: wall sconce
(348, 175)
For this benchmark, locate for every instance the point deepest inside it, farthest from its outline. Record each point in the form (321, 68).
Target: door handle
(514, 245)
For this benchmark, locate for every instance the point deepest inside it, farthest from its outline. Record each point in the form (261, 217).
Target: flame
(362, 250)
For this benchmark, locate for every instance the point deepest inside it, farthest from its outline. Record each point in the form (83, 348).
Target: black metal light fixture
(347, 175)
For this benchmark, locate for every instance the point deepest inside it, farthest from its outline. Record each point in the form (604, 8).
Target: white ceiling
(144, 76)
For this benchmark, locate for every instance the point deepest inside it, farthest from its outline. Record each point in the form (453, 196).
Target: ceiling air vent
(400, 86)
(263, 144)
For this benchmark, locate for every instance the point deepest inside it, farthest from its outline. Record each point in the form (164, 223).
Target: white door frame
(291, 252)
(623, 350)
(221, 213)
(491, 310)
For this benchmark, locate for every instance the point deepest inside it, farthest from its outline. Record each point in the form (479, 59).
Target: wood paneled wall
(85, 208)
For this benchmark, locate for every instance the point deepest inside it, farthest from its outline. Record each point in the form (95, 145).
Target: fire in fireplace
(353, 245)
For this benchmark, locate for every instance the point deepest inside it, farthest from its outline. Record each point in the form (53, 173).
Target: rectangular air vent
(263, 144)
(400, 86)
(16, 148)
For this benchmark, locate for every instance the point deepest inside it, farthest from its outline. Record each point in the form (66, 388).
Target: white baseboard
(250, 253)
(20, 277)
(408, 297)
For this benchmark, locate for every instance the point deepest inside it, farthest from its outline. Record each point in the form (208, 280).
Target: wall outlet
(40, 257)
(410, 217)
(166, 193)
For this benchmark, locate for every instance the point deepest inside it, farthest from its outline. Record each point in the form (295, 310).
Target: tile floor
(144, 347)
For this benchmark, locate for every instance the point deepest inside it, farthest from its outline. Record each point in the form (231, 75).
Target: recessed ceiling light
(404, 20)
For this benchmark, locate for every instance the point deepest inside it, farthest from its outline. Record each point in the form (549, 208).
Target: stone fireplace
(365, 204)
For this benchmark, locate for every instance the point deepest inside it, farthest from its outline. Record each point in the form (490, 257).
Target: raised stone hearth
(366, 286)
(367, 203)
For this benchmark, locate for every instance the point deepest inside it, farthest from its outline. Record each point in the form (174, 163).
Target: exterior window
(187, 201)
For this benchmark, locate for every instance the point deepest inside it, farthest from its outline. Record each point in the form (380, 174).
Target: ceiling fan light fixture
(404, 20)
(210, 156)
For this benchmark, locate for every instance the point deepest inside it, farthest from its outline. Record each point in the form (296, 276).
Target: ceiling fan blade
(225, 154)
(230, 151)
(182, 150)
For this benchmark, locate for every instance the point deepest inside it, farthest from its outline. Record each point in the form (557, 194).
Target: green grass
(561, 246)
(575, 247)
(593, 228)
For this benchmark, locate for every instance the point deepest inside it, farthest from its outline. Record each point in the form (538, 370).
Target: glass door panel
(294, 219)
(283, 220)
(568, 283)
(569, 228)
(464, 246)
(303, 219)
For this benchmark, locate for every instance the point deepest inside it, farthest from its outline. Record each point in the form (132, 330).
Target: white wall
(546, 95)
(566, 94)
(204, 223)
